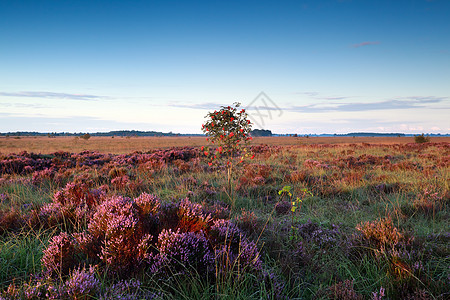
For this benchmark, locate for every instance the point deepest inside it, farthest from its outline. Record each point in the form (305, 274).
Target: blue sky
(332, 66)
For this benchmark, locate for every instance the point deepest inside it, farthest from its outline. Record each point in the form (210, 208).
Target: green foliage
(20, 254)
(421, 138)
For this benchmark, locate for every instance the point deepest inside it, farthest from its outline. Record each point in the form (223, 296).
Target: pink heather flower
(59, 255)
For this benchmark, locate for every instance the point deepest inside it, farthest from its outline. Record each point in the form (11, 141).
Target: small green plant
(228, 129)
(421, 138)
(295, 204)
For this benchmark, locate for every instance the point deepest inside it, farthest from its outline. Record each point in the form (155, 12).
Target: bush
(421, 138)
(85, 136)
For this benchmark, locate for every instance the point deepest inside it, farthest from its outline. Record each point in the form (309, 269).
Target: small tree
(421, 138)
(85, 136)
(228, 129)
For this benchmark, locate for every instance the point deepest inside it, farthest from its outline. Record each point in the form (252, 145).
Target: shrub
(82, 284)
(421, 138)
(117, 228)
(59, 256)
(85, 136)
(178, 252)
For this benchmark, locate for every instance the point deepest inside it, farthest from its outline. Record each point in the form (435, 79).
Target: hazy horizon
(322, 66)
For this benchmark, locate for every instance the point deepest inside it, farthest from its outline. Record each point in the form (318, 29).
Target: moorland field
(123, 145)
(149, 218)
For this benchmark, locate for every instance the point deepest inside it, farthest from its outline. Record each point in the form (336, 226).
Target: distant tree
(421, 138)
(261, 132)
(85, 136)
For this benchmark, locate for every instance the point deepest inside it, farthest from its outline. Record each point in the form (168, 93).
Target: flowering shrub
(59, 257)
(115, 226)
(191, 217)
(320, 236)
(71, 206)
(39, 177)
(178, 252)
(82, 284)
(127, 235)
(234, 252)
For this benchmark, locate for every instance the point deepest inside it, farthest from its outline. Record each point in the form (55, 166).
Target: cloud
(11, 122)
(23, 105)
(365, 44)
(205, 105)
(412, 102)
(399, 103)
(318, 96)
(52, 95)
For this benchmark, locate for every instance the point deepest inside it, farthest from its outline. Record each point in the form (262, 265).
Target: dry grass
(121, 145)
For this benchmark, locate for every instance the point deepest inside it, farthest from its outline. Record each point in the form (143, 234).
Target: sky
(306, 67)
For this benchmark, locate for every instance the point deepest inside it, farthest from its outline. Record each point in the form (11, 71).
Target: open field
(122, 145)
(316, 218)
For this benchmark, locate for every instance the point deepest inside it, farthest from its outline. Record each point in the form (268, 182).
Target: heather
(310, 221)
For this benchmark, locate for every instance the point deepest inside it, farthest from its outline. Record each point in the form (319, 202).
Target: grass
(351, 185)
(20, 254)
